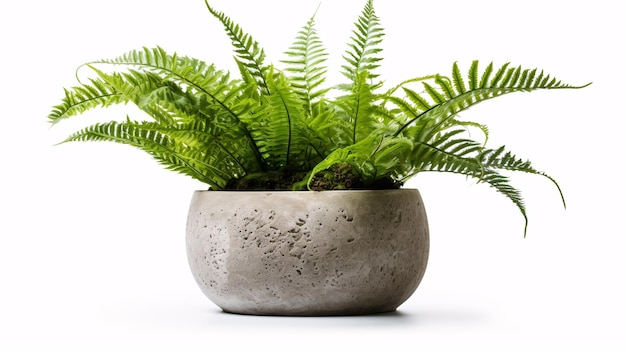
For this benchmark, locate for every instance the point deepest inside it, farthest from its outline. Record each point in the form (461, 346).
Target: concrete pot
(308, 253)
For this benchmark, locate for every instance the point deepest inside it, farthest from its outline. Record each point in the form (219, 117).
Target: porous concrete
(308, 253)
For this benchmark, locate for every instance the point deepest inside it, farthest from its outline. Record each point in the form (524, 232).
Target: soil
(273, 180)
(337, 177)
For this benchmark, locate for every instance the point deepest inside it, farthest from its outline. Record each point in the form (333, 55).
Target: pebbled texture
(308, 253)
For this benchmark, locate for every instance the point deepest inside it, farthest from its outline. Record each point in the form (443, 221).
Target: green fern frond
(462, 157)
(248, 52)
(499, 159)
(185, 71)
(358, 106)
(207, 87)
(448, 153)
(444, 106)
(439, 155)
(306, 65)
(148, 58)
(226, 152)
(391, 158)
(168, 104)
(331, 125)
(459, 147)
(279, 125)
(141, 88)
(438, 150)
(143, 136)
(364, 48)
(80, 99)
(502, 184)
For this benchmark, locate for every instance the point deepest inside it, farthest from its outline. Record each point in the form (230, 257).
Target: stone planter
(308, 253)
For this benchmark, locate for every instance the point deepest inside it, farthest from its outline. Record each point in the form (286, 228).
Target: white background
(92, 235)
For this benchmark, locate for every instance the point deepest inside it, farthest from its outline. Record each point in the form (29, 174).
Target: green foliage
(277, 123)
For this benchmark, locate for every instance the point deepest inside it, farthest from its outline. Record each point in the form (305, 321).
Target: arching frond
(187, 72)
(445, 100)
(144, 136)
(448, 153)
(462, 156)
(505, 160)
(80, 99)
(144, 89)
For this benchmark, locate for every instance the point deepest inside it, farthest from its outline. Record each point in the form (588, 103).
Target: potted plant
(305, 211)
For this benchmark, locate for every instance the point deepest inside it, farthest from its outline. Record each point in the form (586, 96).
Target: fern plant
(282, 128)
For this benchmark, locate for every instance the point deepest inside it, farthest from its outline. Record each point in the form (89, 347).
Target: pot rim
(305, 191)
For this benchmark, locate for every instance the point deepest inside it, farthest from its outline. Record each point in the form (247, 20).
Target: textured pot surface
(308, 253)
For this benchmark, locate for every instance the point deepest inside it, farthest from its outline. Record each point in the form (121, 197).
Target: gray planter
(308, 253)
